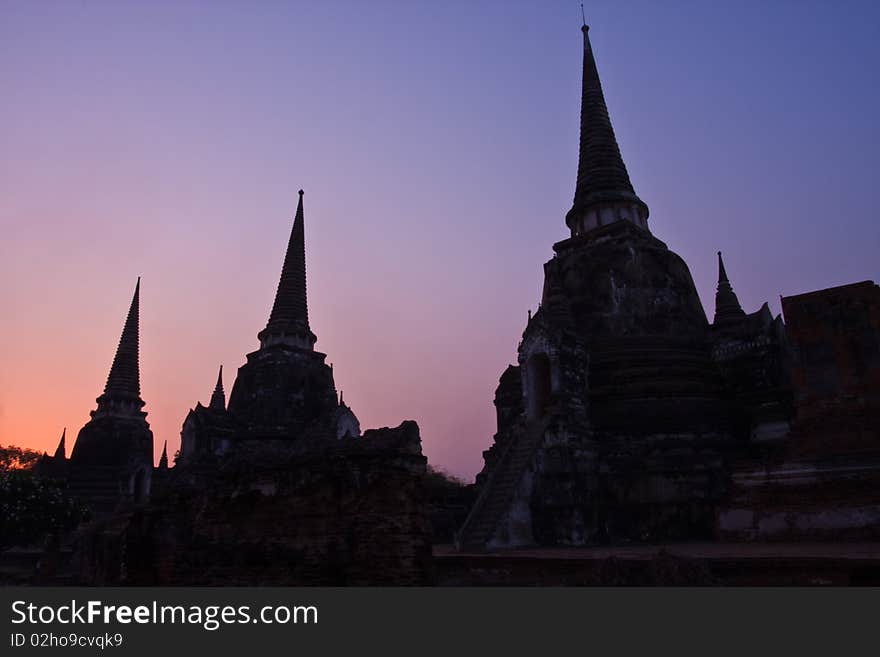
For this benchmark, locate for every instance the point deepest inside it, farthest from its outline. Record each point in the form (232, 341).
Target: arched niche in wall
(540, 384)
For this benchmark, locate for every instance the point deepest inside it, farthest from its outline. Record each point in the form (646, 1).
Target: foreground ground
(674, 564)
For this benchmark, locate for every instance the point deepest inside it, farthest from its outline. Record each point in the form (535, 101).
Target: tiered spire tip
(290, 315)
(602, 177)
(123, 382)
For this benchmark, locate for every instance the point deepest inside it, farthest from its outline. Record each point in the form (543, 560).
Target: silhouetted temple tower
(612, 424)
(112, 459)
(285, 391)
(122, 394)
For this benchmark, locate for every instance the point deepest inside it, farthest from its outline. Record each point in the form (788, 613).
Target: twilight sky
(437, 146)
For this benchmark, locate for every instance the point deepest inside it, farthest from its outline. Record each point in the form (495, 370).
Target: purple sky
(437, 145)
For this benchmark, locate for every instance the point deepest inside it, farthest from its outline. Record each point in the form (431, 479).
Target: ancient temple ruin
(285, 392)
(627, 418)
(279, 486)
(626, 407)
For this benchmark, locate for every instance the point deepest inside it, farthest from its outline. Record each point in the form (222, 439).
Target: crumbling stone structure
(836, 371)
(619, 419)
(627, 418)
(278, 487)
(822, 482)
(348, 512)
(753, 355)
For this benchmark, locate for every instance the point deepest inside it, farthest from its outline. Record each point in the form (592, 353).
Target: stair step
(480, 526)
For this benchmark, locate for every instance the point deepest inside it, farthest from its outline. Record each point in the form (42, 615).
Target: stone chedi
(616, 420)
(285, 391)
(112, 459)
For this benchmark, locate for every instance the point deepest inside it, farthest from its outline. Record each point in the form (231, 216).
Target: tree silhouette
(32, 508)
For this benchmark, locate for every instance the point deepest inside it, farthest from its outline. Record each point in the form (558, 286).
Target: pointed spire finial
(123, 389)
(722, 275)
(584, 18)
(218, 397)
(603, 191)
(163, 460)
(60, 451)
(289, 319)
(727, 307)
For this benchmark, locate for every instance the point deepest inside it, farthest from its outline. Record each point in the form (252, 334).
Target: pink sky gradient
(436, 144)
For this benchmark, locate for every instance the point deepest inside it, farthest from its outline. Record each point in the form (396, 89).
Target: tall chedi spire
(285, 390)
(122, 394)
(218, 397)
(112, 458)
(727, 306)
(289, 320)
(603, 193)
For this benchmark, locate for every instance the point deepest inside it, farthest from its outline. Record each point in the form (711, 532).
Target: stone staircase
(499, 490)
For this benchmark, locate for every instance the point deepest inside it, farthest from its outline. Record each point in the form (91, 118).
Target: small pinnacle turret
(727, 306)
(289, 319)
(603, 192)
(61, 450)
(163, 460)
(218, 397)
(122, 394)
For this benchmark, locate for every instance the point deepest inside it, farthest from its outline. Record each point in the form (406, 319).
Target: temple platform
(676, 564)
